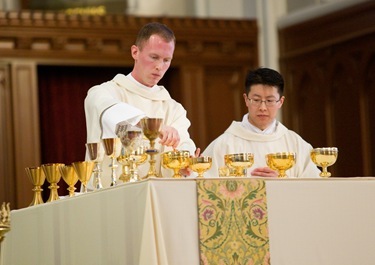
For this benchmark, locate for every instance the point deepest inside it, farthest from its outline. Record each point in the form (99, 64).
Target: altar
(155, 222)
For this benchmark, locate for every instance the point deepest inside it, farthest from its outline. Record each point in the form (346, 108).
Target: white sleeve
(119, 113)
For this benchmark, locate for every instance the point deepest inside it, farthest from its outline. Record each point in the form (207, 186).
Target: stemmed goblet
(37, 178)
(200, 164)
(324, 157)
(122, 134)
(281, 162)
(151, 129)
(96, 155)
(239, 162)
(70, 177)
(53, 175)
(176, 160)
(110, 147)
(133, 150)
(84, 170)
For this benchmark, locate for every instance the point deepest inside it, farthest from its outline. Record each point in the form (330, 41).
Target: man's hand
(169, 136)
(264, 172)
(187, 171)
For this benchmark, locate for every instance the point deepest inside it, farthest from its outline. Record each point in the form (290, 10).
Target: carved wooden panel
(330, 89)
(7, 163)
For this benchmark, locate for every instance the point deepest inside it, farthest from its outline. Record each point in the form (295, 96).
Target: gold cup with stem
(37, 178)
(133, 151)
(281, 162)
(125, 134)
(84, 171)
(151, 129)
(176, 160)
(240, 162)
(110, 148)
(53, 176)
(200, 164)
(324, 157)
(70, 177)
(96, 155)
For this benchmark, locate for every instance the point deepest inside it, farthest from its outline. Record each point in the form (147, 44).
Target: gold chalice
(131, 138)
(324, 157)
(53, 175)
(136, 156)
(176, 160)
(110, 146)
(200, 164)
(96, 155)
(151, 129)
(84, 170)
(70, 177)
(239, 162)
(281, 162)
(37, 178)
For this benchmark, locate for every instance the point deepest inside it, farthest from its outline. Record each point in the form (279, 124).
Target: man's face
(261, 115)
(152, 60)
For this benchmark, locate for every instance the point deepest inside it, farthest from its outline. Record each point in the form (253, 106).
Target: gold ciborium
(84, 170)
(110, 148)
(324, 157)
(151, 129)
(239, 162)
(53, 175)
(281, 162)
(37, 178)
(96, 155)
(70, 177)
(176, 160)
(200, 164)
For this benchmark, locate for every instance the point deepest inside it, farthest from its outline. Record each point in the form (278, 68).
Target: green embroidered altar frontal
(232, 221)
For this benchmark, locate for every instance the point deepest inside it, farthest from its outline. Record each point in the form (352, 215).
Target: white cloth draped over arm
(109, 105)
(119, 113)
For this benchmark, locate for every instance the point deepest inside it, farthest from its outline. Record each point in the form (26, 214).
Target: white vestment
(238, 139)
(139, 102)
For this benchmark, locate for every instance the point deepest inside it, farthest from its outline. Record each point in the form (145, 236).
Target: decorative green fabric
(233, 218)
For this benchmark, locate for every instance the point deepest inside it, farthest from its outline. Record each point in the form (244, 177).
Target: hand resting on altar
(264, 172)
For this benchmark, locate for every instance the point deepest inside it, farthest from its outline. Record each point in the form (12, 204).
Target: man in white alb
(129, 98)
(260, 133)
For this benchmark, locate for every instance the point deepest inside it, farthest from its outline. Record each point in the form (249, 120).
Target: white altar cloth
(154, 222)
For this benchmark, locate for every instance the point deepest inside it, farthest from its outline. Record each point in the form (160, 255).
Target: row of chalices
(236, 164)
(53, 172)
